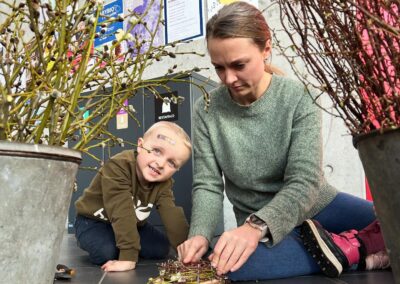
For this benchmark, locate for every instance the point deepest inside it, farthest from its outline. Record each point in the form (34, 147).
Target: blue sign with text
(111, 10)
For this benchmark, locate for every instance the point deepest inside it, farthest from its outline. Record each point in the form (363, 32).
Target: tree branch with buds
(351, 49)
(51, 75)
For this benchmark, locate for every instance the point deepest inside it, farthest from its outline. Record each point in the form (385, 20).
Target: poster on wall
(151, 11)
(183, 20)
(214, 5)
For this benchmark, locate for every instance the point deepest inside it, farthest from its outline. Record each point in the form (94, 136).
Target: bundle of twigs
(351, 49)
(174, 271)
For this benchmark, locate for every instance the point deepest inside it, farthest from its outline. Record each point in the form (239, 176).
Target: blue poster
(113, 9)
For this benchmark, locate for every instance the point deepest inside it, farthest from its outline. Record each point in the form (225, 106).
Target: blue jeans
(289, 258)
(97, 238)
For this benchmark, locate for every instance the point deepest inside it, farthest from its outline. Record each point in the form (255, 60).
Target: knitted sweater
(115, 196)
(270, 156)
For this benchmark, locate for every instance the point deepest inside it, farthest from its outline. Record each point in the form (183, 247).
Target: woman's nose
(230, 77)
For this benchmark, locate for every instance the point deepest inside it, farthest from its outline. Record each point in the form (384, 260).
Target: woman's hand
(192, 249)
(118, 265)
(234, 248)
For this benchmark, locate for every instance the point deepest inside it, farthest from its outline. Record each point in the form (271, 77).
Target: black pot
(380, 155)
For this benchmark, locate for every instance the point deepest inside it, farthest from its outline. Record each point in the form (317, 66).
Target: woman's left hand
(234, 248)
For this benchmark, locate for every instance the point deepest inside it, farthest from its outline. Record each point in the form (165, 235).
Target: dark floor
(87, 273)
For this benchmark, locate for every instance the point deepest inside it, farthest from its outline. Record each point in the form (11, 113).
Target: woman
(261, 132)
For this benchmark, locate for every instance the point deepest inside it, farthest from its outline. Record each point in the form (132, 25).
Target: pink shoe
(333, 253)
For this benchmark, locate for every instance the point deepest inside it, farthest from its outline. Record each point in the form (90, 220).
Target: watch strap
(257, 223)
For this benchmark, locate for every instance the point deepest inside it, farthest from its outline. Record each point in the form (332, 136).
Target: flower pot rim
(8, 148)
(359, 137)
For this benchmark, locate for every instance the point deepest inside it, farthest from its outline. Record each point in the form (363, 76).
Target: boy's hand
(118, 265)
(192, 249)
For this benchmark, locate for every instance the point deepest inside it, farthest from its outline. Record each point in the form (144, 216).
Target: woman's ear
(267, 49)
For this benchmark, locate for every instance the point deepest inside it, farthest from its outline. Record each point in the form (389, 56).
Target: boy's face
(167, 154)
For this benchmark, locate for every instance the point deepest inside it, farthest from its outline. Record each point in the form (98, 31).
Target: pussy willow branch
(54, 58)
(78, 81)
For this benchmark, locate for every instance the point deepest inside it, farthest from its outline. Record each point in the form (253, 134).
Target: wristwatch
(260, 225)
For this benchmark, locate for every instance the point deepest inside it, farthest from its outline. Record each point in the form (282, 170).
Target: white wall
(341, 162)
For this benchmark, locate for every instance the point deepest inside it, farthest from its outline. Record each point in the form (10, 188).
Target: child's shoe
(379, 260)
(372, 238)
(333, 253)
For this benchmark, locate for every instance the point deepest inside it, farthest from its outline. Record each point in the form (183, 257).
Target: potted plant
(56, 88)
(351, 51)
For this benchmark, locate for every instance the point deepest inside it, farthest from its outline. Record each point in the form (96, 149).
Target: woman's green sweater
(269, 154)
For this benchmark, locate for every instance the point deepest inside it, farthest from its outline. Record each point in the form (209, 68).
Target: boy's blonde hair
(175, 128)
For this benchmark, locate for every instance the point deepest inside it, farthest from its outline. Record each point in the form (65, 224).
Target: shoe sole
(320, 251)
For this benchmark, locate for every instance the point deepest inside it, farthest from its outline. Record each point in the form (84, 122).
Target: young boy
(111, 222)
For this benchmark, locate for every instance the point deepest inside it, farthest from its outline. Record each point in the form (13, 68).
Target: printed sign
(166, 109)
(183, 19)
(112, 9)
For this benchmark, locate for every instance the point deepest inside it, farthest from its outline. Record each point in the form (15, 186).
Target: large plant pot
(380, 156)
(36, 184)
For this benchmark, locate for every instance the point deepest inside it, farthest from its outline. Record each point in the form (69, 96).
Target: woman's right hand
(192, 249)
